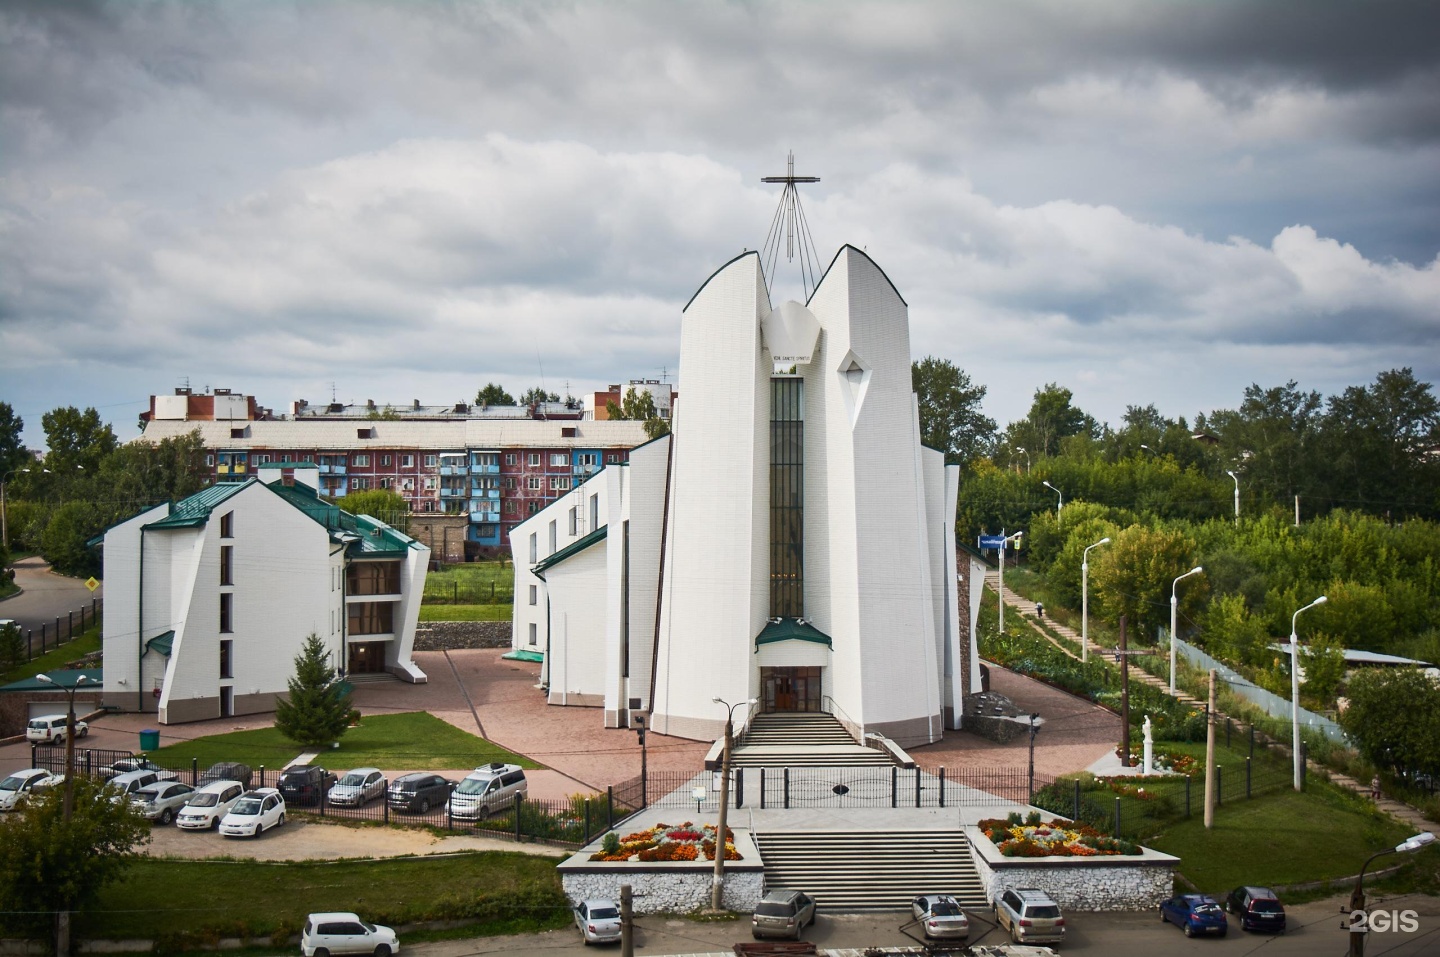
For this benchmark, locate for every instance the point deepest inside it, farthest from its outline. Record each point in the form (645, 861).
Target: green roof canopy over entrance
(161, 643)
(787, 628)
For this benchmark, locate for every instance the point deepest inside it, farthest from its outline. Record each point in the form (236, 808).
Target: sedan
(126, 765)
(254, 813)
(16, 788)
(162, 800)
(940, 916)
(357, 787)
(1195, 913)
(598, 920)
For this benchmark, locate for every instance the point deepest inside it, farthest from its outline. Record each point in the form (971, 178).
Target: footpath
(1399, 810)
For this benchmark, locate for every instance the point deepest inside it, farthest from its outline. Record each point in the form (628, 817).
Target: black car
(304, 784)
(1257, 909)
(225, 771)
(418, 792)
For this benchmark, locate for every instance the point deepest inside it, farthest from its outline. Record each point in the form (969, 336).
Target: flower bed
(1058, 838)
(666, 842)
(1163, 761)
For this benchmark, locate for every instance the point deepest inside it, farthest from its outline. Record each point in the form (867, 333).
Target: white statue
(1147, 767)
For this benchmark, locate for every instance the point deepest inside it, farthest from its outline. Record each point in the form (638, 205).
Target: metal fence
(52, 635)
(1272, 704)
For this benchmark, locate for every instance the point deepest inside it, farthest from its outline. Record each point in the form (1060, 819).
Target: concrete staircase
(802, 739)
(871, 870)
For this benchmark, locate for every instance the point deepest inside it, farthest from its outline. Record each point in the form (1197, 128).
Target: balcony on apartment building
(484, 513)
(485, 463)
(332, 466)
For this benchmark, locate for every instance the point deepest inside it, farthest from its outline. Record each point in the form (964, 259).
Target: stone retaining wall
(450, 635)
(668, 892)
(1077, 883)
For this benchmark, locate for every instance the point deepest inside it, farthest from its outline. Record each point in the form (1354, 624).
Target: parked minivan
(50, 729)
(488, 789)
(132, 781)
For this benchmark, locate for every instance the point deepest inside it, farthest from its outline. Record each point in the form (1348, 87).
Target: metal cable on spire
(790, 217)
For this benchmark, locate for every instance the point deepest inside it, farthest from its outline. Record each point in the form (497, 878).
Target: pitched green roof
(791, 628)
(361, 535)
(65, 678)
(574, 548)
(195, 510)
(161, 643)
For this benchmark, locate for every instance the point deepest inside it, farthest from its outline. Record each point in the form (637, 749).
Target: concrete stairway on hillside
(802, 739)
(871, 870)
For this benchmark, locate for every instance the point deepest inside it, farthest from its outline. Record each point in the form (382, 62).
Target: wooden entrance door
(791, 689)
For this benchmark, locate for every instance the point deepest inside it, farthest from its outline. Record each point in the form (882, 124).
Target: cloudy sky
(1145, 202)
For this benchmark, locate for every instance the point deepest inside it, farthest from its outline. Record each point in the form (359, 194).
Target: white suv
(209, 805)
(326, 934)
(487, 789)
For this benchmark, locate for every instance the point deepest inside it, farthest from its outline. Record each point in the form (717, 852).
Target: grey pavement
(44, 595)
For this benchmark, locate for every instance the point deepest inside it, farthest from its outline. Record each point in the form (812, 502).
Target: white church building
(791, 541)
(209, 599)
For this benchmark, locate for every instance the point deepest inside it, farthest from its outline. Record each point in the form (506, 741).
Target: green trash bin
(149, 739)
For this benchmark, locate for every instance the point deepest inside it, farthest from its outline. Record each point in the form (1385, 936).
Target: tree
(76, 438)
(1393, 717)
(13, 454)
(317, 709)
(1375, 442)
(70, 526)
(1273, 437)
(12, 647)
(145, 473)
(493, 394)
(639, 405)
(49, 865)
(1134, 575)
(385, 504)
(537, 395)
(1051, 418)
(950, 416)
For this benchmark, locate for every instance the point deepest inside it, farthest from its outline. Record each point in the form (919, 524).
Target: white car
(326, 934)
(50, 729)
(208, 805)
(598, 920)
(357, 787)
(256, 812)
(159, 801)
(16, 787)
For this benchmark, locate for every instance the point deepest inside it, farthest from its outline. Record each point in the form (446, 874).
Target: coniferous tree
(317, 710)
(12, 647)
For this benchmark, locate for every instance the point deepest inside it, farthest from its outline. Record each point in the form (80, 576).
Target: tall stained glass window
(787, 496)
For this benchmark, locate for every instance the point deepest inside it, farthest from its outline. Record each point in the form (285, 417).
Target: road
(1315, 932)
(45, 596)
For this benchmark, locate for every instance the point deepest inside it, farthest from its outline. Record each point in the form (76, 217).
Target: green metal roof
(362, 536)
(524, 654)
(195, 510)
(161, 643)
(791, 628)
(574, 548)
(65, 678)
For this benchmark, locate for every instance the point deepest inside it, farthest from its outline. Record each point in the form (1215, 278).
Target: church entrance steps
(865, 870)
(826, 756)
(370, 678)
(802, 739)
(796, 728)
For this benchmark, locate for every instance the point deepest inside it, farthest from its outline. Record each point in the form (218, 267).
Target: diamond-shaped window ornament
(855, 382)
(790, 333)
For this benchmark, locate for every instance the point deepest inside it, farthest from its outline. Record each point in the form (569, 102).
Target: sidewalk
(1402, 812)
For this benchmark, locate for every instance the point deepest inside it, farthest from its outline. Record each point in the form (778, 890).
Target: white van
(50, 729)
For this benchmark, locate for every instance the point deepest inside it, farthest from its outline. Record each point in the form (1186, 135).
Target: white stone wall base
(668, 892)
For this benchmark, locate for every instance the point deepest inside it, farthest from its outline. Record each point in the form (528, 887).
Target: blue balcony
(490, 493)
(478, 469)
(329, 469)
(484, 515)
(453, 470)
(453, 493)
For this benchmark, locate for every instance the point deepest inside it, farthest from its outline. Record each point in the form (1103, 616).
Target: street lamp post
(4, 514)
(1027, 458)
(1085, 598)
(1060, 506)
(1003, 542)
(1295, 687)
(717, 883)
(1237, 496)
(62, 918)
(1174, 614)
(1357, 896)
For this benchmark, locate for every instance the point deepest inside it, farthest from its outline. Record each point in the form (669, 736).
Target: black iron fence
(51, 635)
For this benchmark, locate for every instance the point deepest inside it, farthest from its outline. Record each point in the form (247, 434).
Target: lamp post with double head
(1237, 496)
(1174, 614)
(717, 883)
(1295, 689)
(1085, 598)
(1357, 896)
(62, 918)
(1060, 505)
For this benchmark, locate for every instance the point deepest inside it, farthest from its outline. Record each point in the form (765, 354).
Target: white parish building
(209, 599)
(791, 541)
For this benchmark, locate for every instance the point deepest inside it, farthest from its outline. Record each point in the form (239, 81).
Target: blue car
(1195, 913)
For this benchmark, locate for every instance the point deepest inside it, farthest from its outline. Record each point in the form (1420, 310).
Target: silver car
(162, 800)
(782, 913)
(939, 915)
(357, 787)
(598, 920)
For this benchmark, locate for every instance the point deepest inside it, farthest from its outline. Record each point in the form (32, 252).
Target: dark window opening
(226, 665)
(225, 618)
(787, 497)
(373, 578)
(226, 564)
(227, 525)
(371, 618)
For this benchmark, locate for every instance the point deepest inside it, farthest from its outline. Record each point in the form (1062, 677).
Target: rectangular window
(386, 482)
(509, 481)
(373, 578)
(532, 458)
(226, 668)
(612, 456)
(532, 634)
(511, 458)
(360, 460)
(536, 483)
(431, 461)
(407, 461)
(559, 458)
(226, 564)
(308, 458)
(227, 525)
(531, 508)
(534, 594)
(787, 496)
(510, 507)
(429, 483)
(553, 537)
(572, 522)
(209, 460)
(384, 460)
(407, 485)
(534, 546)
(594, 512)
(560, 483)
(371, 618)
(588, 460)
(225, 620)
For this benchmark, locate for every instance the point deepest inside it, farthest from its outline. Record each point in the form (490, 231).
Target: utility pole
(1210, 756)
(1124, 697)
(627, 922)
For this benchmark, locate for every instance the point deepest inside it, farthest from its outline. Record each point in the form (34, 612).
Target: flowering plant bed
(1164, 762)
(1059, 838)
(666, 842)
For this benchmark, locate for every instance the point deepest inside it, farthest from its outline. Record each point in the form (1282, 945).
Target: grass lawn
(86, 642)
(8, 588)
(473, 583)
(466, 612)
(1281, 838)
(413, 741)
(502, 892)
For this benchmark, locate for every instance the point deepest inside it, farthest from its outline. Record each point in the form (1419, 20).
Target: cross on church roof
(792, 216)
